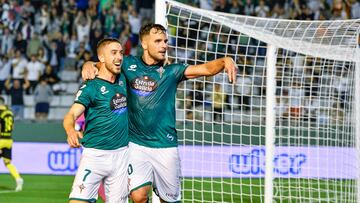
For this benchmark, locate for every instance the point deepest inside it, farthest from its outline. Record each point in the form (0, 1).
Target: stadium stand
(63, 34)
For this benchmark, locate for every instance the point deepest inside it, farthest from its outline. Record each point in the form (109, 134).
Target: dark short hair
(106, 41)
(145, 29)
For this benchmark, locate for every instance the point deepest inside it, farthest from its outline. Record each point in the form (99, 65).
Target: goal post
(288, 130)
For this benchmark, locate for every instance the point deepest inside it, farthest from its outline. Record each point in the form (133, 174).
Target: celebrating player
(105, 141)
(151, 84)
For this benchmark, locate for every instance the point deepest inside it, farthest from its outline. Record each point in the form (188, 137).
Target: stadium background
(62, 37)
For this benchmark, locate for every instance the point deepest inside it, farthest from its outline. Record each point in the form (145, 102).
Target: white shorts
(159, 167)
(109, 166)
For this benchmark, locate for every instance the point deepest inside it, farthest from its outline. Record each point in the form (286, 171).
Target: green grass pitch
(37, 189)
(55, 189)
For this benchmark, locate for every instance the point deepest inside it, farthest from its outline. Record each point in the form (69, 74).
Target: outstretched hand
(88, 71)
(73, 138)
(231, 69)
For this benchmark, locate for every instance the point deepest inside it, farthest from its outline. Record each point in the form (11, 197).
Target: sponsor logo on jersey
(103, 90)
(143, 86)
(132, 67)
(118, 103)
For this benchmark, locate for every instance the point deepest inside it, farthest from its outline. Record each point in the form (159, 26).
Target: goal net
(292, 104)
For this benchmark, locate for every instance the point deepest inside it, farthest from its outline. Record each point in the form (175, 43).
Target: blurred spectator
(282, 106)
(80, 55)
(5, 12)
(338, 10)
(236, 7)
(20, 43)
(342, 86)
(42, 96)
(53, 56)
(16, 91)
(222, 6)
(355, 9)
(27, 30)
(244, 85)
(278, 12)
(71, 9)
(109, 23)
(44, 19)
(6, 41)
(218, 102)
(34, 70)
(5, 67)
(262, 10)
(126, 42)
(146, 11)
(18, 64)
(135, 24)
(65, 24)
(82, 23)
(205, 4)
(28, 10)
(96, 35)
(53, 80)
(249, 8)
(296, 93)
(72, 46)
(42, 55)
(54, 25)
(33, 46)
(60, 48)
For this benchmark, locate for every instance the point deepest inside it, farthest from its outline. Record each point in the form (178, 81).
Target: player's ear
(144, 42)
(101, 58)
(144, 45)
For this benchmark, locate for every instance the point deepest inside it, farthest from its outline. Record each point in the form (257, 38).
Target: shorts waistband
(107, 150)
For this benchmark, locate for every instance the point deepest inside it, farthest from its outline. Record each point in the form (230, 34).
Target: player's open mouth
(117, 64)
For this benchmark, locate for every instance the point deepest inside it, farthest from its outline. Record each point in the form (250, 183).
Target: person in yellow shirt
(6, 141)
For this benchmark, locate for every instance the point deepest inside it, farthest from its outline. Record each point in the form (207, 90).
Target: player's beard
(159, 59)
(111, 67)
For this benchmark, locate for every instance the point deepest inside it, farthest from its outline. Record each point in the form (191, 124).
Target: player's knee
(139, 195)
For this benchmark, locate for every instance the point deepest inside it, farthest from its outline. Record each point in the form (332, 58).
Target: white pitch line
(7, 191)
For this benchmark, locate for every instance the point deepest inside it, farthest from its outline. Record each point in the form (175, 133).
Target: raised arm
(212, 68)
(89, 70)
(69, 125)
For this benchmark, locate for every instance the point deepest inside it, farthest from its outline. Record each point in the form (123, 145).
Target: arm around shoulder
(89, 70)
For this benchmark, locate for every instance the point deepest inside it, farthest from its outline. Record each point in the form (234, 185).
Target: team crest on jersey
(81, 187)
(143, 86)
(118, 103)
(160, 70)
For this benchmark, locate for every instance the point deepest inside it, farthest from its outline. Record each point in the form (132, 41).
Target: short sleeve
(84, 95)
(179, 70)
